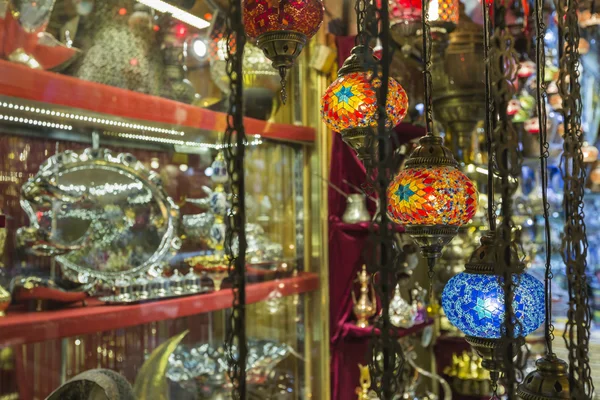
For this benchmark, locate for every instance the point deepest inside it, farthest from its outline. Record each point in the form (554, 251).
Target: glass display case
(113, 198)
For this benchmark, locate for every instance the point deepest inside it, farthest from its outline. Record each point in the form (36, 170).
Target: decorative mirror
(102, 216)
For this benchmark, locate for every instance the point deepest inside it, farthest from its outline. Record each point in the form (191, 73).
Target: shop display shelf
(20, 327)
(356, 333)
(72, 96)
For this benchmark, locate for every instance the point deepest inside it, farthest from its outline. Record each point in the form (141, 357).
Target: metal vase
(356, 209)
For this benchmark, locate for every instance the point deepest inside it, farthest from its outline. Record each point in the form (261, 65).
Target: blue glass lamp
(474, 302)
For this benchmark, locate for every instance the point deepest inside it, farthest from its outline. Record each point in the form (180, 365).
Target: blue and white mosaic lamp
(474, 302)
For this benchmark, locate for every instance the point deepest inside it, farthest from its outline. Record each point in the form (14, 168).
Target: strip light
(35, 122)
(255, 142)
(176, 13)
(79, 117)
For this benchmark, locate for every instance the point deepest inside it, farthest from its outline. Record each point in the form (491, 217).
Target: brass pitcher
(356, 209)
(365, 307)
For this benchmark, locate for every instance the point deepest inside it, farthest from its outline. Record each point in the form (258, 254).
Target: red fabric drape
(349, 344)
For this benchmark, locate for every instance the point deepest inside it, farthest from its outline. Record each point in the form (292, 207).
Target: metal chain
(503, 67)
(490, 116)
(427, 81)
(574, 242)
(387, 360)
(361, 15)
(541, 94)
(234, 148)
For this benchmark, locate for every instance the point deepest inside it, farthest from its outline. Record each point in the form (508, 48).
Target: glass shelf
(20, 327)
(67, 103)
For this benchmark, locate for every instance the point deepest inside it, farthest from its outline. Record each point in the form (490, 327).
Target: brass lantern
(459, 101)
(550, 381)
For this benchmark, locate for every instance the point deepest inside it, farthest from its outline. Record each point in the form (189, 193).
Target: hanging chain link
(503, 60)
(387, 360)
(541, 99)
(490, 116)
(427, 80)
(234, 147)
(574, 242)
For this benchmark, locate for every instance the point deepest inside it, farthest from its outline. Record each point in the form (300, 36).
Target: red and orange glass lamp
(281, 29)
(349, 105)
(431, 197)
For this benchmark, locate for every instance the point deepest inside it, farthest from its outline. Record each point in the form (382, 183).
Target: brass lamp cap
(432, 238)
(483, 260)
(550, 381)
(431, 152)
(281, 47)
(354, 63)
(467, 34)
(492, 352)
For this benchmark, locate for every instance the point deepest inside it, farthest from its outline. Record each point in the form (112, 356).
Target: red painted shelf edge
(27, 327)
(22, 82)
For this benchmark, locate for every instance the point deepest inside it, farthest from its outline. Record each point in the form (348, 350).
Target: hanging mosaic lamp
(349, 105)
(281, 29)
(431, 197)
(473, 301)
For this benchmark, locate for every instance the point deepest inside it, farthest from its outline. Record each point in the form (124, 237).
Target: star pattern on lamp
(404, 192)
(482, 309)
(431, 196)
(344, 94)
(351, 102)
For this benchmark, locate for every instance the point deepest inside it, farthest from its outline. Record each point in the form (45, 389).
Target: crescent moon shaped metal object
(150, 382)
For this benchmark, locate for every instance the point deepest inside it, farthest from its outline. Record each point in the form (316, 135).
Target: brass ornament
(492, 351)
(366, 306)
(460, 101)
(549, 381)
(483, 259)
(282, 48)
(364, 391)
(151, 382)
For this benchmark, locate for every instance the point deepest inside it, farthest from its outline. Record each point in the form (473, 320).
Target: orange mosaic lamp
(431, 197)
(349, 105)
(281, 29)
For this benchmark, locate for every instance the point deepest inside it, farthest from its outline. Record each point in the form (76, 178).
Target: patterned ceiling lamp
(349, 105)
(431, 197)
(473, 301)
(281, 28)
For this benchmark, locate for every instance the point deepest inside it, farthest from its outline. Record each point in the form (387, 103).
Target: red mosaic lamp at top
(432, 195)
(402, 11)
(264, 16)
(351, 102)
